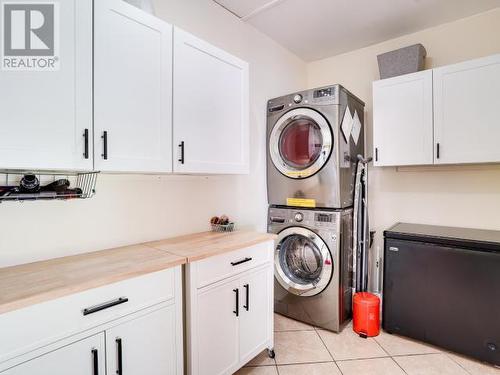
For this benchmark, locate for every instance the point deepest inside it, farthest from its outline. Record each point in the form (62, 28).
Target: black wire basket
(81, 185)
(229, 227)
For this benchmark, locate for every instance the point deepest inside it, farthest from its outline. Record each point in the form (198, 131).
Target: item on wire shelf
(59, 186)
(29, 184)
(221, 224)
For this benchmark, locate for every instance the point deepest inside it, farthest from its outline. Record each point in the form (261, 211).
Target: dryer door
(300, 143)
(302, 262)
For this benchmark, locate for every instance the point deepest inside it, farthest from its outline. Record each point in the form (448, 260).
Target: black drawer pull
(104, 145)
(247, 292)
(241, 261)
(237, 311)
(95, 361)
(86, 143)
(119, 367)
(104, 306)
(181, 145)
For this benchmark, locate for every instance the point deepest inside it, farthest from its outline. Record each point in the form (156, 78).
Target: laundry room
(258, 187)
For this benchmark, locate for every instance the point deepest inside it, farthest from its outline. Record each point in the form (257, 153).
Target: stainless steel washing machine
(313, 265)
(314, 138)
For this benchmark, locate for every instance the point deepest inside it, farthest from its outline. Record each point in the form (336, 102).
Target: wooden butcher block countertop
(28, 284)
(32, 283)
(204, 245)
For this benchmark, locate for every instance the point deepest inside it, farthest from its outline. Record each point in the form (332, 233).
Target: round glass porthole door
(300, 143)
(303, 263)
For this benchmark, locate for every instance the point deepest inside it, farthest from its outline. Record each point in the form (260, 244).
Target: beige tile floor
(304, 350)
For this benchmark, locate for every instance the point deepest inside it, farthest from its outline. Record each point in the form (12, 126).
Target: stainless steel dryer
(314, 138)
(313, 265)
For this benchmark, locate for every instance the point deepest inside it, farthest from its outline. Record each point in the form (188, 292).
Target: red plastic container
(366, 314)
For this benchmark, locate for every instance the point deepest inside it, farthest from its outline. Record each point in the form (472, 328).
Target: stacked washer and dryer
(314, 139)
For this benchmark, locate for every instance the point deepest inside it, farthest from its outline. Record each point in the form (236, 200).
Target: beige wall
(466, 196)
(134, 208)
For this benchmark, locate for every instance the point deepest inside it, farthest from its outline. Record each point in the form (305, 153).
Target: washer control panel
(284, 217)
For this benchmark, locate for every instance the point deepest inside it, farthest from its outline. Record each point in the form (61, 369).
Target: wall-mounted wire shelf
(78, 185)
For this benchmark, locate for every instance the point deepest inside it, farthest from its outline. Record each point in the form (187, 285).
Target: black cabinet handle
(119, 369)
(104, 145)
(247, 292)
(241, 261)
(104, 306)
(181, 145)
(95, 361)
(237, 311)
(86, 143)
(437, 150)
(376, 153)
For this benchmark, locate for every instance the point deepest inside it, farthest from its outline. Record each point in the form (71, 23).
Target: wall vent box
(405, 60)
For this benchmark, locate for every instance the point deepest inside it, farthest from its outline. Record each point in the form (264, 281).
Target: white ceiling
(315, 29)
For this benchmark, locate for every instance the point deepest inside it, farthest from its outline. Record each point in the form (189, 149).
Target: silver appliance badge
(30, 39)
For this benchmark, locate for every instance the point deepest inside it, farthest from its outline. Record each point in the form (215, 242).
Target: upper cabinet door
(46, 85)
(402, 120)
(132, 89)
(466, 103)
(210, 108)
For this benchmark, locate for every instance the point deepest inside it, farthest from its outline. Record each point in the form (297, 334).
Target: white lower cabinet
(217, 328)
(131, 327)
(229, 321)
(145, 345)
(84, 357)
(255, 321)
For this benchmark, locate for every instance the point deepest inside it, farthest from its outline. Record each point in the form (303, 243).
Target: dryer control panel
(320, 96)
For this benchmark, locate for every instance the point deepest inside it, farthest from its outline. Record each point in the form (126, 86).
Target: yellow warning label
(295, 173)
(301, 202)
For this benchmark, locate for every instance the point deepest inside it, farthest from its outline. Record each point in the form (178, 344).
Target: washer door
(302, 262)
(300, 143)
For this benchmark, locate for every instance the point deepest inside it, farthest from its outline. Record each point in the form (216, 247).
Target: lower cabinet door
(85, 357)
(145, 345)
(217, 322)
(256, 311)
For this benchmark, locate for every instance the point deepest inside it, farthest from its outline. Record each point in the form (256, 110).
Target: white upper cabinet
(402, 120)
(466, 111)
(46, 86)
(447, 115)
(210, 118)
(132, 89)
(91, 87)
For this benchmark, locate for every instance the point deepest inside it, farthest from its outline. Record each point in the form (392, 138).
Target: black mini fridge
(442, 286)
